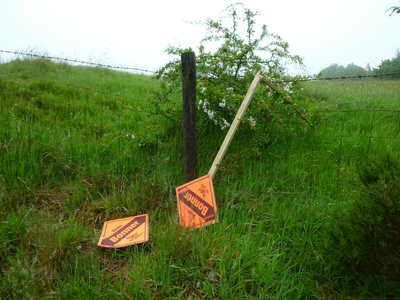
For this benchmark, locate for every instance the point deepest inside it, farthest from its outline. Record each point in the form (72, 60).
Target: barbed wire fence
(147, 71)
(314, 164)
(129, 151)
(301, 176)
(76, 61)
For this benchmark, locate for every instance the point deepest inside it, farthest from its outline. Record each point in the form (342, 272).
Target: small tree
(225, 75)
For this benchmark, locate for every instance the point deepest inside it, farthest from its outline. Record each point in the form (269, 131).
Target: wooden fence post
(188, 60)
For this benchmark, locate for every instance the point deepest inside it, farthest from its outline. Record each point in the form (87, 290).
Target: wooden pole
(234, 125)
(188, 60)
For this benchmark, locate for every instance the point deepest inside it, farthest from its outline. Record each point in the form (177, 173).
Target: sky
(135, 34)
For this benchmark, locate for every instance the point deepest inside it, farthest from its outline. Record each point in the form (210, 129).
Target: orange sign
(196, 203)
(125, 232)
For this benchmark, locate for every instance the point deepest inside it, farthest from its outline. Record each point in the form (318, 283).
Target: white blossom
(280, 52)
(252, 121)
(211, 114)
(287, 88)
(225, 125)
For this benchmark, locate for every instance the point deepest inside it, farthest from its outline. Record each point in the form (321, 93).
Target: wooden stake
(235, 123)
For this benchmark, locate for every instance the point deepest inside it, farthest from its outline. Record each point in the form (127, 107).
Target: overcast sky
(135, 34)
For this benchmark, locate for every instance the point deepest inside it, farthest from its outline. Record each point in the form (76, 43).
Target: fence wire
(78, 61)
(65, 129)
(198, 77)
(292, 164)
(314, 164)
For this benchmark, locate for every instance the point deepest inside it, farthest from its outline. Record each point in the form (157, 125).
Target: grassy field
(82, 145)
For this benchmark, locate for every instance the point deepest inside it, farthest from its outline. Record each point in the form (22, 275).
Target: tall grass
(79, 146)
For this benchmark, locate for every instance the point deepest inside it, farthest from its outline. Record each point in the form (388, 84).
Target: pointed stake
(234, 125)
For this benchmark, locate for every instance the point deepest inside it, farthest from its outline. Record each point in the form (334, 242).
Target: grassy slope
(69, 161)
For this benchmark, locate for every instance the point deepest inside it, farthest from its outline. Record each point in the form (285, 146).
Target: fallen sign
(195, 211)
(196, 203)
(125, 232)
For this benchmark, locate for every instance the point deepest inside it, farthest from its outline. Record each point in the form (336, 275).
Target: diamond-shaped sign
(196, 203)
(125, 232)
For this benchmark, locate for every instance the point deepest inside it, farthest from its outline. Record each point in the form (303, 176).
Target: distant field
(82, 145)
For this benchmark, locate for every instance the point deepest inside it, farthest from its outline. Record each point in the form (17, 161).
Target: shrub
(224, 76)
(365, 240)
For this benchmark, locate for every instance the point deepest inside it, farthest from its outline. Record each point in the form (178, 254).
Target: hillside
(83, 145)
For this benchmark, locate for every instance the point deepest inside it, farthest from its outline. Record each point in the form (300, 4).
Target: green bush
(365, 239)
(225, 75)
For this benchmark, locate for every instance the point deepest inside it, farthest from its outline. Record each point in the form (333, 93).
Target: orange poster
(125, 232)
(196, 203)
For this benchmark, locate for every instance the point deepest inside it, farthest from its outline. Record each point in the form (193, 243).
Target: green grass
(82, 145)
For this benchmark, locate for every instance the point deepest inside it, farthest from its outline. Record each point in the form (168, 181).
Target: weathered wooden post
(189, 116)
